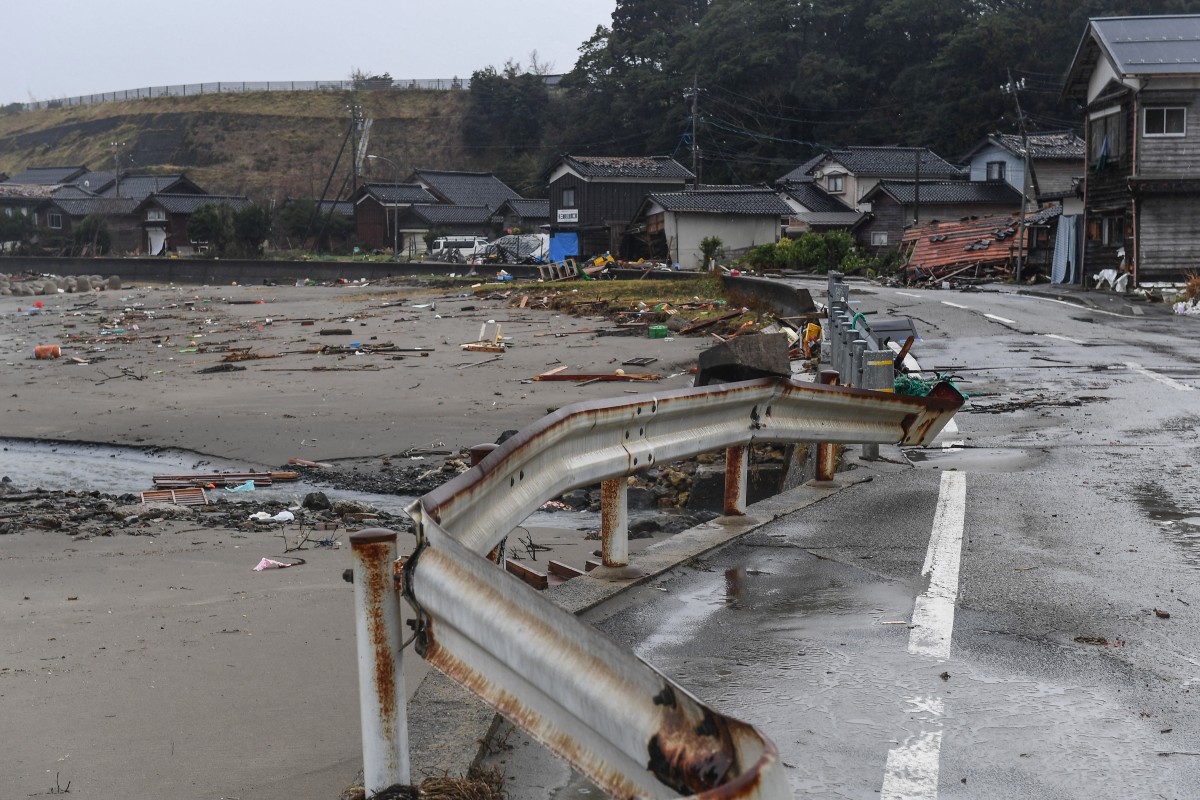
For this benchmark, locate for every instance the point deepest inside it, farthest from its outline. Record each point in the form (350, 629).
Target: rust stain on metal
(734, 456)
(691, 755)
(610, 509)
(511, 707)
(380, 582)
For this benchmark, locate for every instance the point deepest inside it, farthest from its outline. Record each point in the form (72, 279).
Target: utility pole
(693, 94)
(916, 186)
(116, 146)
(1014, 88)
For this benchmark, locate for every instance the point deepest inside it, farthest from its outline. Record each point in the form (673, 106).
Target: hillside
(266, 145)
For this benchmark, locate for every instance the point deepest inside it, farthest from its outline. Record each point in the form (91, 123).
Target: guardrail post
(879, 375)
(857, 348)
(827, 451)
(736, 473)
(614, 522)
(381, 694)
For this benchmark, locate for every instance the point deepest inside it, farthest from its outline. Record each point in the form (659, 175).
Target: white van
(457, 248)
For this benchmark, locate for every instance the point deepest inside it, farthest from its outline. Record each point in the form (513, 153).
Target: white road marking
(953, 305)
(1163, 379)
(933, 615)
(910, 294)
(912, 768)
(1005, 320)
(1082, 308)
(1063, 338)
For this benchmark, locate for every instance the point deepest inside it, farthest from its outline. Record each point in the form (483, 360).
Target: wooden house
(671, 225)
(164, 218)
(1138, 80)
(378, 207)
(519, 215)
(593, 198)
(1055, 160)
(848, 173)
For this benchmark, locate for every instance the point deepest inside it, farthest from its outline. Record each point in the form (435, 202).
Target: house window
(996, 170)
(836, 184)
(879, 239)
(8, 211)
(156, 215)
(568, 198)
(54, 221)
(1164, 122)
(1113, 231)
(1106, 139)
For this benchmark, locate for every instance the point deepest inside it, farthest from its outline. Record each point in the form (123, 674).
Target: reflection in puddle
(976, 459)
(1183, 526)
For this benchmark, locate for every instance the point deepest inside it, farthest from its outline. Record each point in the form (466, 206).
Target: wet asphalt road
(1061, 658)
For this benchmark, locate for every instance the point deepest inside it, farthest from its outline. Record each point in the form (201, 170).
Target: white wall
(736, 231)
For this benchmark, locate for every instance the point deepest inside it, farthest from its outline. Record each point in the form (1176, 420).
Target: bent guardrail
(615, 718)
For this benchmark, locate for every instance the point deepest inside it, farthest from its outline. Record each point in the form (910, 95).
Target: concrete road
(1011, 613)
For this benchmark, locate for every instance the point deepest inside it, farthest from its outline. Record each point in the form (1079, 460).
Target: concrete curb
(450, 729)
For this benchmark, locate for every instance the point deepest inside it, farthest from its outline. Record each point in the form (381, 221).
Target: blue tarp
(563, 245)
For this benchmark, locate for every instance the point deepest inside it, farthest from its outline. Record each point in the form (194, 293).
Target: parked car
(457, 248)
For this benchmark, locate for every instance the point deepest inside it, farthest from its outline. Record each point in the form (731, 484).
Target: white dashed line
(953, 305)
(1083, 308)
(912, 768)
(909, 294)
(1005, 320)
(1063, 338)
(1163, 379)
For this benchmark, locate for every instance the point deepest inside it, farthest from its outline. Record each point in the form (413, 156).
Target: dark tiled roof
(445, 214)
(94, 182)
(1162, 45)
(1064, 146)
(949, 192)
(188, 203)
(529, 209)
(466, 188)
(628, 167)
(891, 162)
(801, 173)
(832, 219)
(737, 201)
(140, 187)
(48, 176)
(72, 191)
(107, 206)
(344, 208)
(812, 196)
(399, 193)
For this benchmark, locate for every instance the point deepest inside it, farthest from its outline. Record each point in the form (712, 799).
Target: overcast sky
(78, 47)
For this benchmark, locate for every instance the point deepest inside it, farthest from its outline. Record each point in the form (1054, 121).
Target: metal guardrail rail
(629, 728)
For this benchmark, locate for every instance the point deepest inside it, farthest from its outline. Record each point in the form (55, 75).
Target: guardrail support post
(737, 459)
(857, 348)
(614, 522)
(827, 451)
(381, 694)
(879, 375)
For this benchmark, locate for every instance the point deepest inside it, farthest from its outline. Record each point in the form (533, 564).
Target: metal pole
(614, 522)
(736, 472)
(381, 694)
(827, 451)
(395, 204)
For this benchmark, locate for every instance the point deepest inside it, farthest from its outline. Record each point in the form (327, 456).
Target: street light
(395, 205)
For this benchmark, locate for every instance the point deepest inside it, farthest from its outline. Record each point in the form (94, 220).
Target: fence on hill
(238, 87)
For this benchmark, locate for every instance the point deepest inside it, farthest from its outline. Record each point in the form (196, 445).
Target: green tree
(212, 224)
(16, 232)
(251, 226)
(506, 110)
(91, 236)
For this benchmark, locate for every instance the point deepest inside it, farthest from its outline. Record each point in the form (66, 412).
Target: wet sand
(162, 664)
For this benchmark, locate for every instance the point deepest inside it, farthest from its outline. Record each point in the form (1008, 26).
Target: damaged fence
(616, 719)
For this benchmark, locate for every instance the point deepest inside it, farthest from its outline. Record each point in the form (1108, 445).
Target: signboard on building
(568, 215)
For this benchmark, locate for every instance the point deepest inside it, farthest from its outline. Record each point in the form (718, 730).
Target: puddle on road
(976, 459)
(1181, 525)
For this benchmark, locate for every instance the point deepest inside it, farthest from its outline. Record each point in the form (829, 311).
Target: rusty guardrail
(615, 718)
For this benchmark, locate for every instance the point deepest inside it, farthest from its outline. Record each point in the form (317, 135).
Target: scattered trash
(248, 486)
(270, 563)
(46, 351)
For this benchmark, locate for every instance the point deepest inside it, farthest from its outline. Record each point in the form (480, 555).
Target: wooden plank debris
(193, 496)
(536, 579)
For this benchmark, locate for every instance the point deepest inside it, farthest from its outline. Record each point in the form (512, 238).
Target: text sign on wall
(568, 215)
